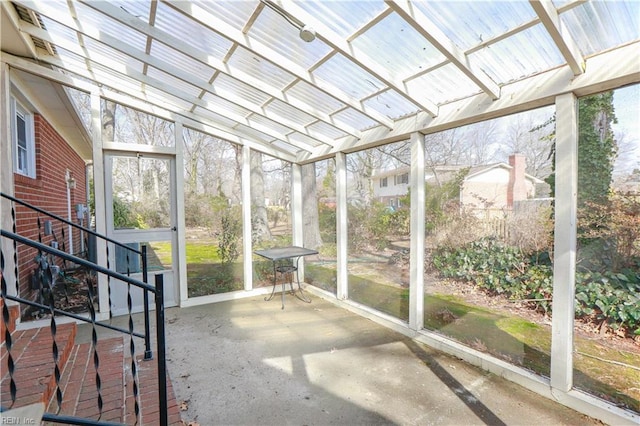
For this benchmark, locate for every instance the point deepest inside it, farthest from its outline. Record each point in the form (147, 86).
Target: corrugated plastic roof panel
(381, 43)
(237, 64)
(601, 25)
(348, 77)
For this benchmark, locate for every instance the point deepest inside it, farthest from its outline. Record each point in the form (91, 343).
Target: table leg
(302, 296)
(275, 281)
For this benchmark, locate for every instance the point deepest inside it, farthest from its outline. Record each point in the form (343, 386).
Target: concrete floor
(248, 362)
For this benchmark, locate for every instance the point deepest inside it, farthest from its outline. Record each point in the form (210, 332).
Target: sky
(626, 103)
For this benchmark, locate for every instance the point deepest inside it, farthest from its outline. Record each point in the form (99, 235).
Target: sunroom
(466, 173)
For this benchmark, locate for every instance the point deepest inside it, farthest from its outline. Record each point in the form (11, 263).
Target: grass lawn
(600, 369)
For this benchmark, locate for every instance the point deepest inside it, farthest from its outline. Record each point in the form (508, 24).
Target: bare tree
(311, 226)
(525, 135)
(362, 165)
(259, 221)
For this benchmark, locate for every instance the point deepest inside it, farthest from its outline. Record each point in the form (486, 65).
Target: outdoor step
(148, 395)
(14, 313)
(78, 382)
(32, 354)
(35, 380)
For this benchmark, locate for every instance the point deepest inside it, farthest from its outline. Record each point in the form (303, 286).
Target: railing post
(148, 353)
(161, 350)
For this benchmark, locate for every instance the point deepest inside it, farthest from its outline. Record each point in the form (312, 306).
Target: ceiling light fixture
(307, 33)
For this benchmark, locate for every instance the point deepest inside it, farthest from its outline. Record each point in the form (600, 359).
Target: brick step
(35, 378)
(78, 382)
(32, 355)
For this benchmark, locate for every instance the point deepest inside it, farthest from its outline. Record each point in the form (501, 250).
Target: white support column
(342, 290)
(181, 249)
(416, 276)
(99, 201)
(296, 204)
(564, 252)
(247, 252)
(296, 213)
(6, 178)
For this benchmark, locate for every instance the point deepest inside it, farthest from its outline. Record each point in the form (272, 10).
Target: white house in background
(487, 190)
(494, 189)
(390, 186)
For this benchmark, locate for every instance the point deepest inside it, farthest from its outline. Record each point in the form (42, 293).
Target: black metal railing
(50, 259)
(46, 228)
(54, 312)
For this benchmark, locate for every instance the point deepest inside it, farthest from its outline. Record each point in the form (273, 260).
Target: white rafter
(358, 57)
(150, 31)
(440, 41)
(262, 50)
(169, 69)
(548, 15)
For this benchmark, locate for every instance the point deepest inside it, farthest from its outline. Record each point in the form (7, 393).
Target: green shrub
(611, 299)
(229, 236)
(606, 298)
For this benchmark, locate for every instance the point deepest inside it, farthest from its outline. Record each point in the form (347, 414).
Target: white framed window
(383, 182)
(401, 179)
(23, 135)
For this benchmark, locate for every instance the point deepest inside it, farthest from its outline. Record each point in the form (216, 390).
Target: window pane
(141, 193)
(213, 214)
(489, 224)
(127, 125)
(378, 230)
(320, 228)
(607, 317)
(22, 152)
(270, 210)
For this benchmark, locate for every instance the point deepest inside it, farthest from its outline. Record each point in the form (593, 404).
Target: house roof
(239, 70)
(478, 170)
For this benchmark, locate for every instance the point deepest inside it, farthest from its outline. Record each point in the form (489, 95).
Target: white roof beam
(262, 50)
(146, 80)
(421, 23)
(169, 69)
(358, 57)
(549, 17)
(220, 65)
(160, 109)
(609, 70)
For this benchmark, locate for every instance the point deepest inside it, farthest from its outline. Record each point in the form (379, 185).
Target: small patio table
(294, 253)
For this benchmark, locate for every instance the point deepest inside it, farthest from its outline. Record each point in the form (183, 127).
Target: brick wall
(47, 191)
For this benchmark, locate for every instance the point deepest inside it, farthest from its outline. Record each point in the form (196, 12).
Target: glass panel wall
(319, 217)
(489, 224)
(378, 228)
(607, 316)
(270, 211)
(127, 125)
(213, 215)
(141, 192)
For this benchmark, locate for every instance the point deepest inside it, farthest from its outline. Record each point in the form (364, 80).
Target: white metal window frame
(24, 152)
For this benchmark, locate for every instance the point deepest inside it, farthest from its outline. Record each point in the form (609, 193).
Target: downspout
(71, 184)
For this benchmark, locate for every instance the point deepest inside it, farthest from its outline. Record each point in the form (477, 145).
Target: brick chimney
(517, 188)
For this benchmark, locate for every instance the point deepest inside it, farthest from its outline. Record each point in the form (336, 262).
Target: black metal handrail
(68, 222)
(158, 293)
(142, 253)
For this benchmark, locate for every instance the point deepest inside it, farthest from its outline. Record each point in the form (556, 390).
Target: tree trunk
(311, 225)
(259, 222)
